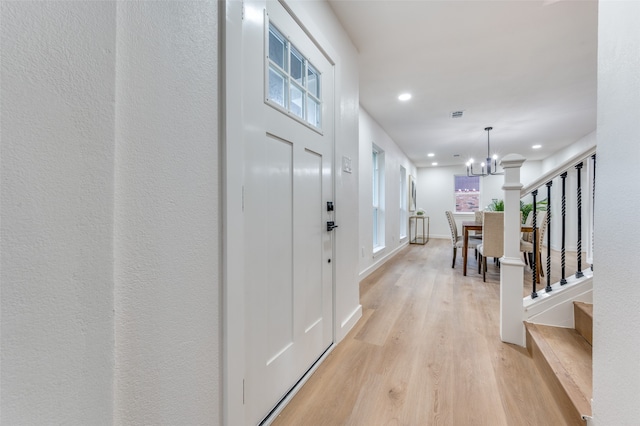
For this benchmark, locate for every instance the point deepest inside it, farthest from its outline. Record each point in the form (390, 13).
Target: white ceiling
(527, 68)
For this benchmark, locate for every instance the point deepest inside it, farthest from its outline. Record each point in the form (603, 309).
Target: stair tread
(587, 308)
(569, 355)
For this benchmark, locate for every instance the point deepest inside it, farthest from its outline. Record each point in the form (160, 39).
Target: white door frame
(233, 277)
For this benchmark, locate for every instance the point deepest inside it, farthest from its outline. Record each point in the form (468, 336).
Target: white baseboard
(381, 261)
(349, 323)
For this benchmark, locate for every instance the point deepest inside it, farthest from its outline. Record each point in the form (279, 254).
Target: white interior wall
(581, 145)
(371, 133)
(109, 213)
(616, 295)
(166, 214)
(435, 193)
(56, 212)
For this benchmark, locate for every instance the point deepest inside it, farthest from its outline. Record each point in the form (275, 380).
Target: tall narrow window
(293, 82)
(403, 202)
(378, 198)
(467, 193)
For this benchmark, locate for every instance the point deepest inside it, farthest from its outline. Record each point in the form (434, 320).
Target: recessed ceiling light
(434, 164)
(405, 96)
(431, 154)
(536, 146)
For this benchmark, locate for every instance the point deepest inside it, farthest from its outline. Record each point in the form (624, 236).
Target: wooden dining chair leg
(453, 263)
(484, 269)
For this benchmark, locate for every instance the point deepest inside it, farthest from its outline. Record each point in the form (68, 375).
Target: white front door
(288, 120)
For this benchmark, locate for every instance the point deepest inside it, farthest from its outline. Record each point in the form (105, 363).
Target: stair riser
(583, 323)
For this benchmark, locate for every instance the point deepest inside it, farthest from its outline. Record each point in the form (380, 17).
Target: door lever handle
(331, 225)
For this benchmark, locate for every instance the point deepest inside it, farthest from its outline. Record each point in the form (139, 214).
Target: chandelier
(489, 167)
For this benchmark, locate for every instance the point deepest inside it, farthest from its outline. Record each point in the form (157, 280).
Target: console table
(418, 229)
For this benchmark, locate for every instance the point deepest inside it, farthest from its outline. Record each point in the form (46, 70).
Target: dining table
(472, 225)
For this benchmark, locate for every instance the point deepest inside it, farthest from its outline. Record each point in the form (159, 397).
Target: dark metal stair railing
(579, 273)
(548, 287)
(593, 204)
(563, 279)
(534, 261)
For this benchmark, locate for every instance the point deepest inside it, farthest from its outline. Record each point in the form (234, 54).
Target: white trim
(377, 251)
(556, 307)
(351, 320)
(364, 274)
(233, 314)
(440, 237)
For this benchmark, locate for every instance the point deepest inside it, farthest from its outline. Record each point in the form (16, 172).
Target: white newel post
(512, 266)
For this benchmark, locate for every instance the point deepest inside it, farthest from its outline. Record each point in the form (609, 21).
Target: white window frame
(404, 200)
(378, 199)
(455, 195)
(303, 87)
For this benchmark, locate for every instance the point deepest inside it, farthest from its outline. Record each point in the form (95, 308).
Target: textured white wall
(166, 214)
(371, 133)
(109, 213)
(616, 295)
(57, 212)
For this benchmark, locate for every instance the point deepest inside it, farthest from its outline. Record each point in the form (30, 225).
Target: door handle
(331, 225)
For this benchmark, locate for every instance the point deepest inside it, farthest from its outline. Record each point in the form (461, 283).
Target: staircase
(563, 357)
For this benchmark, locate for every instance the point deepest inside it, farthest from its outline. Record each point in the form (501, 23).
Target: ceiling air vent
(457, 114)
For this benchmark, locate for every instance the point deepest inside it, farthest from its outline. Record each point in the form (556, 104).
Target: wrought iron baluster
(563, 280)
(534, 275)
(548, 288)
(579, 273)
(593, 206)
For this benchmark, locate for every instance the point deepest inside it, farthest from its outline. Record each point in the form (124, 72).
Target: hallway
(426, 352)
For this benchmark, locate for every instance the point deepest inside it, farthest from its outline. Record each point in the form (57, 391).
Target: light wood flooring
(426, 351)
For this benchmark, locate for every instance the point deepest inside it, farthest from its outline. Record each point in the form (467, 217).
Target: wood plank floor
(426, 351)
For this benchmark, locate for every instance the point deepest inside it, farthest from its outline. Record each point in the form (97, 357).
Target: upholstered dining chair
(478, 217)
(457, 241)
(526, 242)
(492, 240)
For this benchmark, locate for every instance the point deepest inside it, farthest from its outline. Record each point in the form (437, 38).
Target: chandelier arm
(490, 171)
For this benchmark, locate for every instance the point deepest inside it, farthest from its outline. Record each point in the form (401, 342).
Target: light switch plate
(346, 164)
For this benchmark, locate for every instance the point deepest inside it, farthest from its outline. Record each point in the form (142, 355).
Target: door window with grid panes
(293, 83)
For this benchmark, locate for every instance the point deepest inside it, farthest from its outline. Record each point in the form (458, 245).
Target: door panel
(288, 250)
(278, 211)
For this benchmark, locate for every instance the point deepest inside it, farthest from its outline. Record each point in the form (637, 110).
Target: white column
(512, 267)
